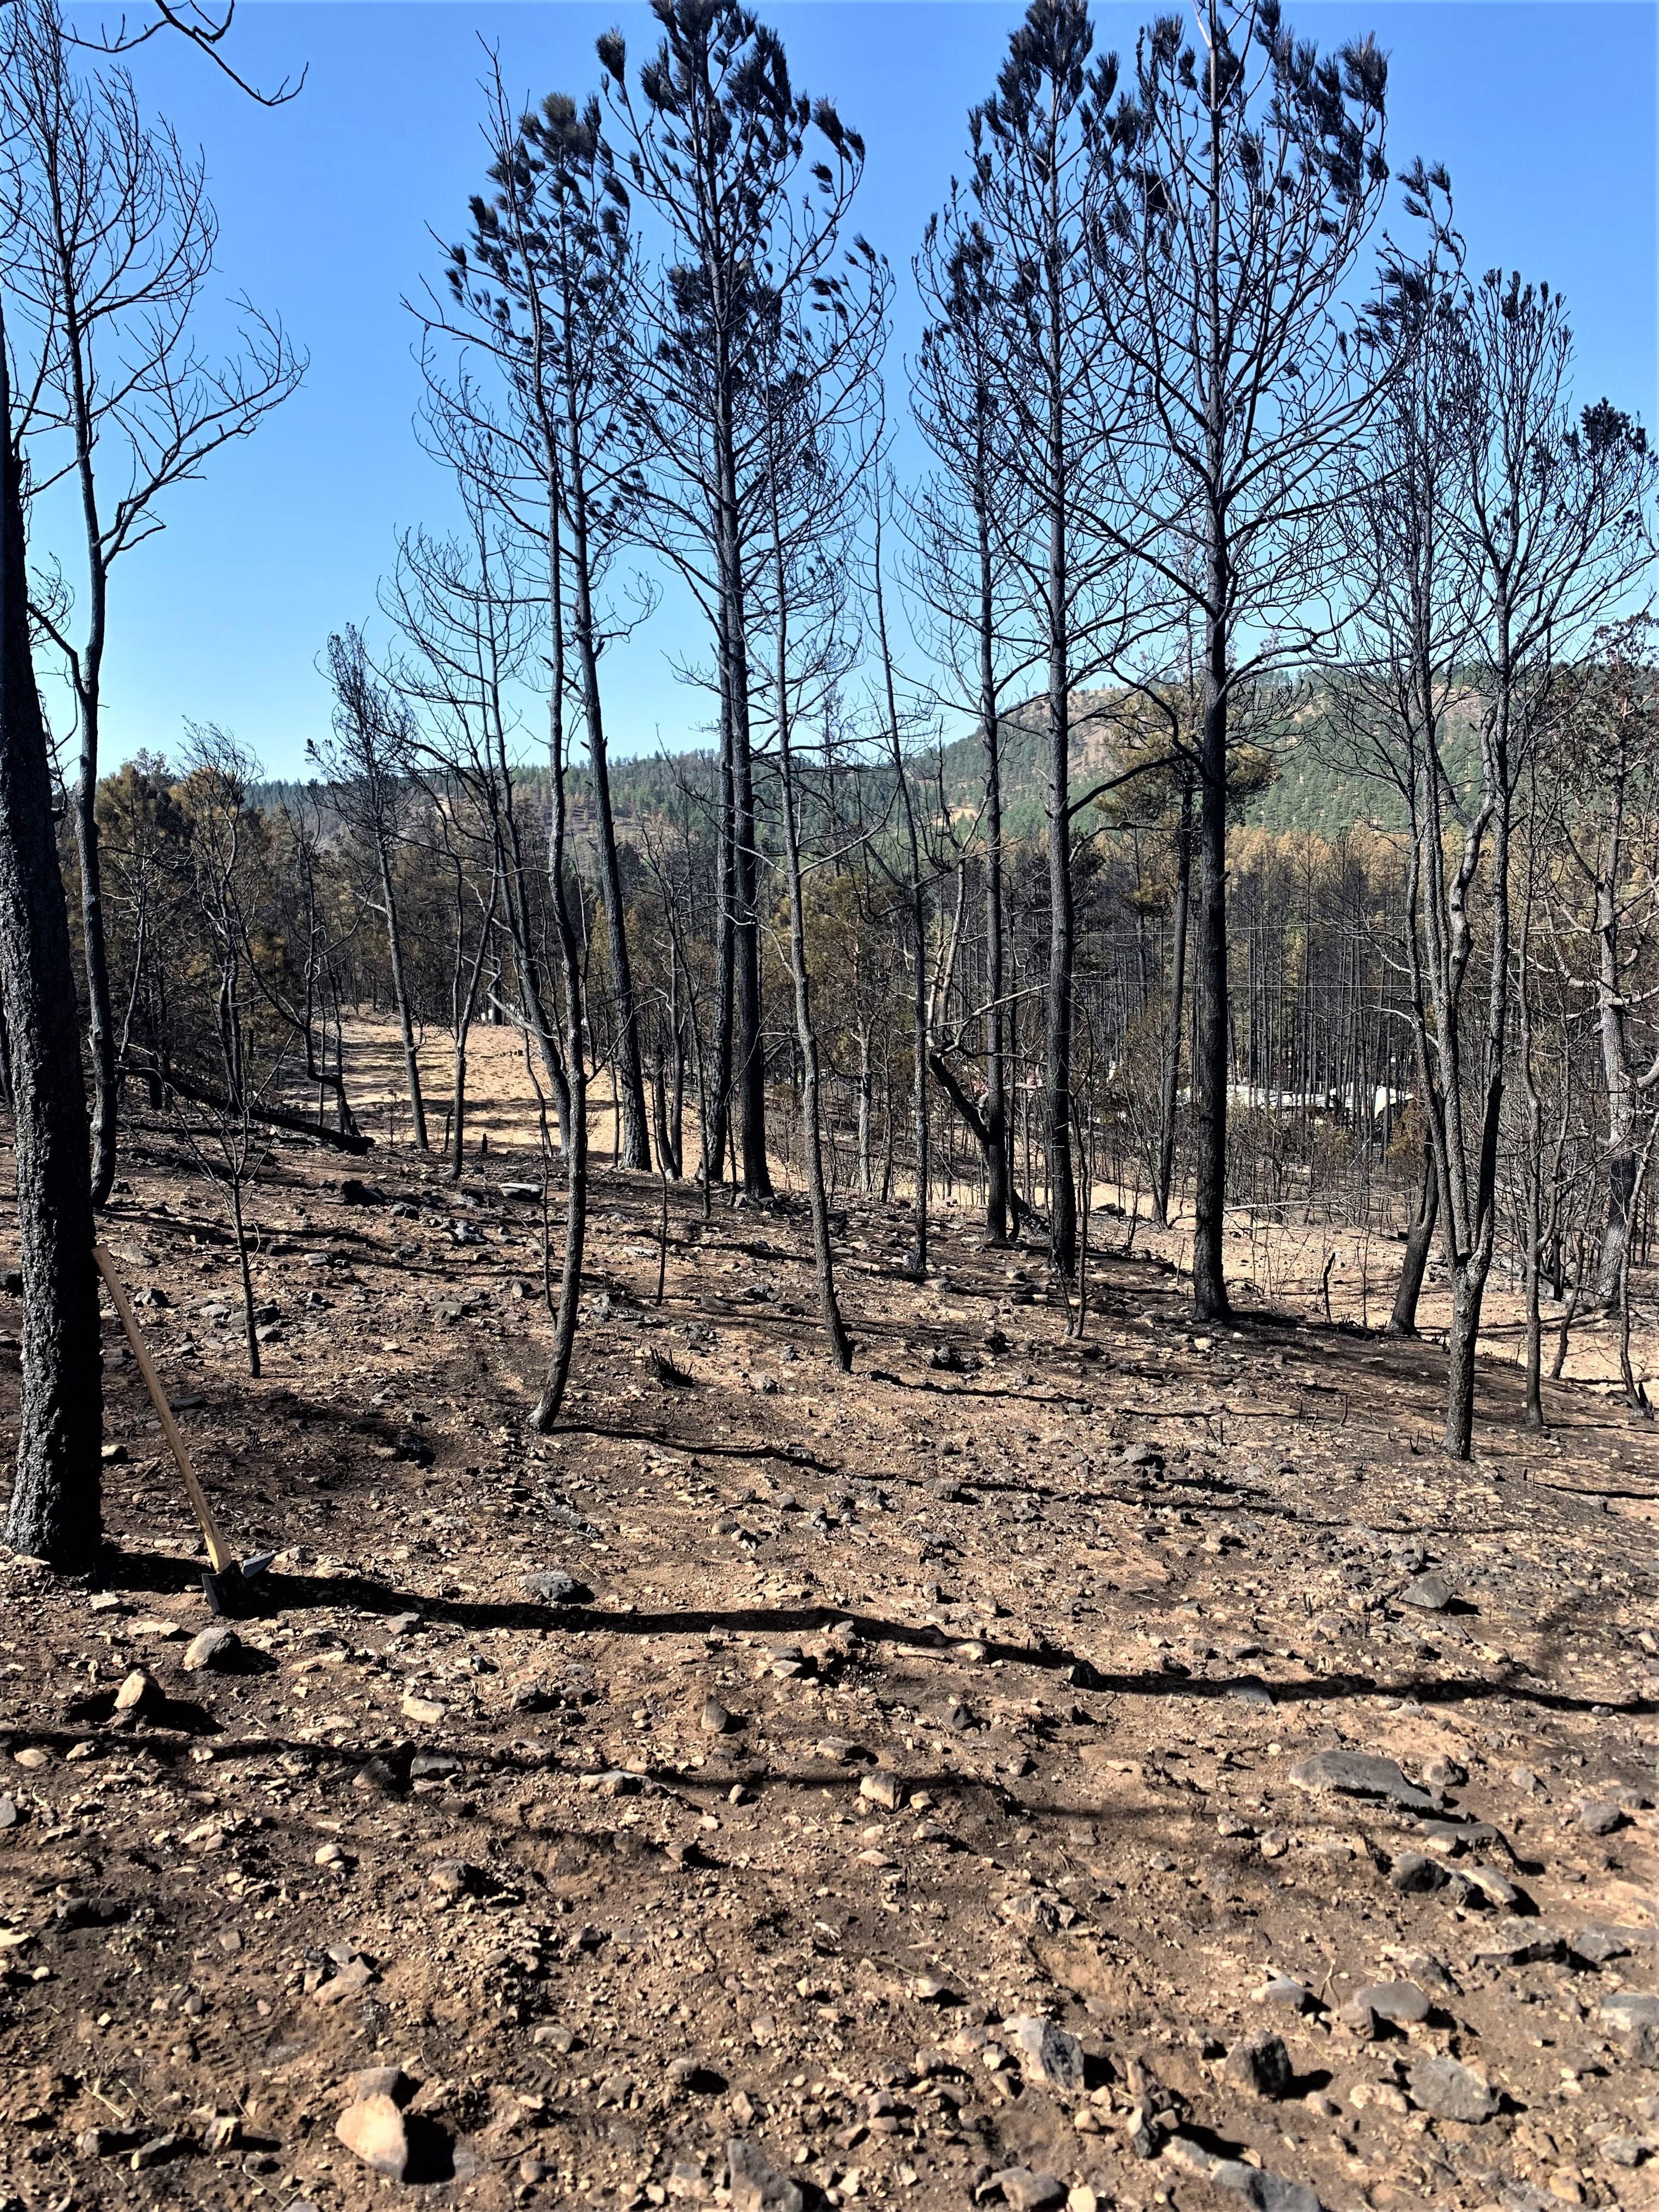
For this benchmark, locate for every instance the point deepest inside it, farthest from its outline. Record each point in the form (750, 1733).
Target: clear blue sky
(1544, 113)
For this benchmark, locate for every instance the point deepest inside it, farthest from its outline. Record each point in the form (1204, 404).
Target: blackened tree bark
(55, 1510)
(1419, 1242)
(1171, 1081)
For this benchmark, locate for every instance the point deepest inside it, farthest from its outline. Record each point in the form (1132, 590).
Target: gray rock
(156, 2151)
(1283, 1990)
(215, 1651)
(1430, 1592)
(1448, 2091)
(1625, 2150)
(1598, 1816)
(8, 1812)
(1262, 2191)
(1599, 1944)
(1047, 2053)
(1414, 1874)
(1453, 1835)
(1402, 2002)
(1359, 1774)
(1635, 2014)
(715, 1719)
(383, 2082)
(1027, 2192)
(1261, 2063)
(756, 2183)
(1519, 1943)
(1445, 1774)
(1495, 1887)
(556, 1588)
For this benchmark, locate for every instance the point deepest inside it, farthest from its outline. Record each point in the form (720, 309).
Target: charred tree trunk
(55, 1511)
(1166, 1130)
(1419, 1242)
(394, 944)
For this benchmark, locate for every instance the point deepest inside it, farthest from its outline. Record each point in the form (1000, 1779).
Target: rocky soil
(1127, 1772)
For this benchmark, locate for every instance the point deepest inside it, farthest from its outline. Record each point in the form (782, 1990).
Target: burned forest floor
(1024, 1771)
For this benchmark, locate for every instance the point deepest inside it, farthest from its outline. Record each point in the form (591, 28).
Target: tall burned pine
(543, 285)
(715, 142)
(1240, 177)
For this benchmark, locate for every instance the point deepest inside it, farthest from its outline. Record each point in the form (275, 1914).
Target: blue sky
(1544, 113)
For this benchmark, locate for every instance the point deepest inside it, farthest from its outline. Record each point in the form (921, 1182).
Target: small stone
(1283, 1990)
(105, 2142)
(933, 1988)
(134, 1691)
(1413, 1874)
(1047, 2052)
(7, 1812)
(555, 1587)
(1358, 1774)
(1261, 2063)
(215, 1651)
(352, 1980)
(757, 2185)
(1402, 2002)
(1430, 1592)
(1027, 2192)
(426, 1712)
(1624, 2150)
(713, 1719)
(1599, 1817)
(1520, 1943)
(1495, 1887)
(329, 1855)
(1444, 1774)
(1598, 1944)
(1448, 2090)
(1635, 2014)
(155, 2152)
(432, 1765)
(383, 2082)
(883, 1788)
(372, 2129)
(1261, 2190)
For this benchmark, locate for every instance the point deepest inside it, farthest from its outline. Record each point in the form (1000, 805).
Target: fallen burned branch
(276, 1117)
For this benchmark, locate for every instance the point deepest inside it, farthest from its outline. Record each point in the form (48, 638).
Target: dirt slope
(887, 1714)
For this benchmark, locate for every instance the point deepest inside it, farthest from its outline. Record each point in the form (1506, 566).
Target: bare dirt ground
(941, 1785)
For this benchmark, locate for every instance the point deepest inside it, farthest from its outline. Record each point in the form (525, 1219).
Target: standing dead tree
(541, 288)
(231, 1145)
(367, 762)
(714, 141)
(111, 245)
(961, 528)
(1239, 180)
(55, 1508)
(1035, 146)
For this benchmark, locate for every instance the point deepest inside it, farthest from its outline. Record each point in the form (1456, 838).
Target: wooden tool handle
(219, 1554)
